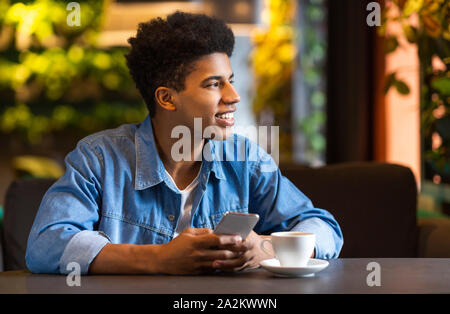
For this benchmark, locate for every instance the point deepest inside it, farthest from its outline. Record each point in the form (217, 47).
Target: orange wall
(402, 113)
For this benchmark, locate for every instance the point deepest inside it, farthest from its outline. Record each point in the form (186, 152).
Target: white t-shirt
(187, 198)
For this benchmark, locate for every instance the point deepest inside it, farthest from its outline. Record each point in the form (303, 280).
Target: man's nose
(230, 95)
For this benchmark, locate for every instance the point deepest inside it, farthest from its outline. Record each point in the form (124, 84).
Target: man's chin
(217, 133)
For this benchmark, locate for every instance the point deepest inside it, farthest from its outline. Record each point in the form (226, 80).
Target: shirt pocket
(122, 229)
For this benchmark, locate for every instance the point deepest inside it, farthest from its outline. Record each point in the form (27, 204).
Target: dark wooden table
(408, 275)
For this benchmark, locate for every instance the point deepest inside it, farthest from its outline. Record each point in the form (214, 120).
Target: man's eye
(216, 84)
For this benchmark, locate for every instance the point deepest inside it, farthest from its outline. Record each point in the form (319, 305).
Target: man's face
(209, 95)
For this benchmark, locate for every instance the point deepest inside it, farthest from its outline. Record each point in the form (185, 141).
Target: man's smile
(225, 119)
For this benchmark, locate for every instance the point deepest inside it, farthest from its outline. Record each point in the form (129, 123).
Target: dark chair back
(374, 203)
(21, 204)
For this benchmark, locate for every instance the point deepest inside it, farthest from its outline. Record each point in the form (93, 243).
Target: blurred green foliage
(312, 65)
(36, 167)
(432, 38)
(276, 56)
(54, 77)
(273, 59)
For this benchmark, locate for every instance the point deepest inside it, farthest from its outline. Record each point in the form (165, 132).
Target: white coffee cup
(292, 249)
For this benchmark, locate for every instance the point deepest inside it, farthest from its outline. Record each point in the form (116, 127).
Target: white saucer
(314, 265)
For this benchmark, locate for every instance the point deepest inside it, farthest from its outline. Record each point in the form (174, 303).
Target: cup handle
(263, 248)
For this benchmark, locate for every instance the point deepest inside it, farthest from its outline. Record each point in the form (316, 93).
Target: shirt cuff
(325, 247)
(82, 249)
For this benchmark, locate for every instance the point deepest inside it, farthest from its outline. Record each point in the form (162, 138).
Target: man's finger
(232, 264)
(198, 231)
(213, 240)
(204, 267)
(212, 255)
(237, 247)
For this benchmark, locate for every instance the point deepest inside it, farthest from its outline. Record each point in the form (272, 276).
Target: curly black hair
(164, 51)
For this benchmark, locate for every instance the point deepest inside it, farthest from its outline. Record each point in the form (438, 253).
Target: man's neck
(164, 143)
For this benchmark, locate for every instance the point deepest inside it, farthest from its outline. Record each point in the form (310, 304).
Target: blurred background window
(310, 81)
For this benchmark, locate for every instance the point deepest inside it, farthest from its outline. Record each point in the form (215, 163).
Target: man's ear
(164, 98)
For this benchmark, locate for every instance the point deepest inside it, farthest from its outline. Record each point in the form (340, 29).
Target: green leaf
(412, 6)
(411, 33)
(318, 99)
(401, 87)
(442, 85)
(318, 142)
(390, 80)
(391, 44)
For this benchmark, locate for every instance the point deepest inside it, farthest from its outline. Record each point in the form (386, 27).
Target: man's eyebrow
(216, 77)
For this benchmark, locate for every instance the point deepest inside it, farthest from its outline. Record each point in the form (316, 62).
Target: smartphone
(237, 223)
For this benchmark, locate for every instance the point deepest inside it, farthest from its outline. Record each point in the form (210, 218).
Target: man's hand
(195, 250)
(250, 258)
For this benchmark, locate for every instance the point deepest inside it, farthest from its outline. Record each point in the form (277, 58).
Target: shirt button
(171, 217)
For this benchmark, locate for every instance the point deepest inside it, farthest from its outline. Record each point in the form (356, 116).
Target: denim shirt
(116, 190)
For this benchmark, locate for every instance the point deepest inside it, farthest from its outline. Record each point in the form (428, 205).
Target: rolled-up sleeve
(82, 249)
(328, 240)
(63, 230)
(283, 207)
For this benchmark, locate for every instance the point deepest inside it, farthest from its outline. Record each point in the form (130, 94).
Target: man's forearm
(126, 259)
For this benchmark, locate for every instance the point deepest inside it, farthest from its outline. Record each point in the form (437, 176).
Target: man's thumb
(198, 231)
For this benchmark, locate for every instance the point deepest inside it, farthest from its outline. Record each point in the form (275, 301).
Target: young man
(125, 205)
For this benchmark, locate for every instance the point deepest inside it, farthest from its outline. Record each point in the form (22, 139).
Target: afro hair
(164, 51)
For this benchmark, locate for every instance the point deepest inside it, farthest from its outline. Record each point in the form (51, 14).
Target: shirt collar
(149, 167)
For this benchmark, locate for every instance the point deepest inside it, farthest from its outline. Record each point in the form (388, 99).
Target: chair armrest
(434, 237)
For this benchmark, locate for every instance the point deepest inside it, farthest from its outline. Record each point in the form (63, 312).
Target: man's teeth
(228, 115)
